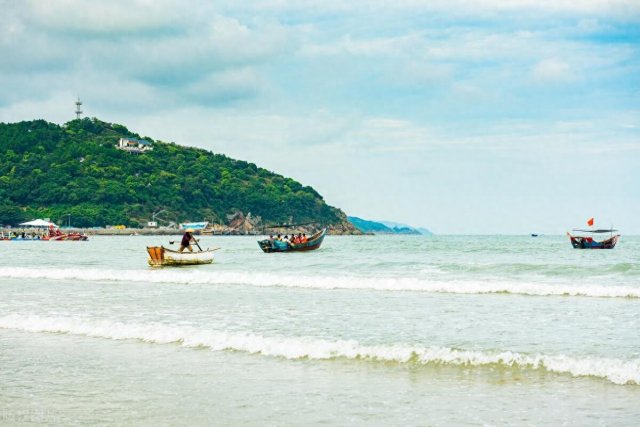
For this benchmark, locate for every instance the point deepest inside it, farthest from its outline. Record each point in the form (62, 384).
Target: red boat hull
(74, 237)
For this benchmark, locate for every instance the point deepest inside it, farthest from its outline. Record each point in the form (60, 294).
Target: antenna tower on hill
(78, 110)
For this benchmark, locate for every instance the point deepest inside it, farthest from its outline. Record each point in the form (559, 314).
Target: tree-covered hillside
(53, 171)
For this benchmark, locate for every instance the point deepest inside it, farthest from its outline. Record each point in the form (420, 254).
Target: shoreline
(154, 232)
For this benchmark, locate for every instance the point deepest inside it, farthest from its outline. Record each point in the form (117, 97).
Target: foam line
(616, 371)
(325, 282)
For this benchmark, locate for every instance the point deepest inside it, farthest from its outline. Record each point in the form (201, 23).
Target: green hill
(47, 170)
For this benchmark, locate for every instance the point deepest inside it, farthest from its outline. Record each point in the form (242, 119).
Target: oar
(194, 239)
(212, 249)
(175, 241)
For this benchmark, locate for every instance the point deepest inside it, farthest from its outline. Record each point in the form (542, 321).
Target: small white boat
(160, 256)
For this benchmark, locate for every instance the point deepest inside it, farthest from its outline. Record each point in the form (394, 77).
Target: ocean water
(444, 330)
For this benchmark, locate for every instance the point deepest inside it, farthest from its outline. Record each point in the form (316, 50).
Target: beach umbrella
(38, 223)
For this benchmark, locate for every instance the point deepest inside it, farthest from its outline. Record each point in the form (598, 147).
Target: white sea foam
(615, 370)
(324, 282)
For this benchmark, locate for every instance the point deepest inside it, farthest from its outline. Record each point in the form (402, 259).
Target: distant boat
(587, 240)
(58, 236)
(534, 235)
(312, 243)
(160, 256)
(196, 226)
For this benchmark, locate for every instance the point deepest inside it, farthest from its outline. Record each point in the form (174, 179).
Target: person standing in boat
(187, 238)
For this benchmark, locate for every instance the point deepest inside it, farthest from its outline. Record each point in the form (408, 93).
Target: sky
(464, 117)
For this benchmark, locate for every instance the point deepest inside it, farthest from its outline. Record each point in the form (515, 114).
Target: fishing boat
(56, 235)
(159, 256)
(314, 242)
(588, 239)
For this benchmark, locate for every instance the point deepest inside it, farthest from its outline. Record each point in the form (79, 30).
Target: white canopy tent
(38, 223)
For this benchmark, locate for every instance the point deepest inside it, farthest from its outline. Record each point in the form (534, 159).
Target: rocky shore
(336, 230)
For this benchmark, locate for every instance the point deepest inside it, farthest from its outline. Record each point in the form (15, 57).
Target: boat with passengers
(592, 239)
(275, 245)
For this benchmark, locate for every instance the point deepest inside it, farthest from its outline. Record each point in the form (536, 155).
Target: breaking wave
(623, 269)
(325, 282)
(615, 370)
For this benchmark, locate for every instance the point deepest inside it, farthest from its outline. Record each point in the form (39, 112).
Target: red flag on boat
(590, 222)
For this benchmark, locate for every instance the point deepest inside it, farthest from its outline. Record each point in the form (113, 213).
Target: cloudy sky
(480, 116)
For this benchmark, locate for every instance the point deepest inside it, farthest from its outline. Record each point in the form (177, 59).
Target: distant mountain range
(386, 227)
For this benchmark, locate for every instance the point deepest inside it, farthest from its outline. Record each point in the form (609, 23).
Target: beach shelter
(38, 223)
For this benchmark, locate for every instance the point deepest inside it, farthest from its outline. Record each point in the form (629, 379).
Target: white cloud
(552, 70)
(114, 17)
(628, 9)
(384, 135)
(159, 53)
(50, 108)
(228, 85)
(380, 97)
(423, 72)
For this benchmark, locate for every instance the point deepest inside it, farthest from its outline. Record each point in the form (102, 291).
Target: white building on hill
(134, 146)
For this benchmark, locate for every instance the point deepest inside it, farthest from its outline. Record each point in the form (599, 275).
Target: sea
(365, 331)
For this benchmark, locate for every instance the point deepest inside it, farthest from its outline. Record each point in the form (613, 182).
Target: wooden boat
(588, 242)
(77, 237)
(312, 243)
(58, 236)
(160, 256)
(71, 237)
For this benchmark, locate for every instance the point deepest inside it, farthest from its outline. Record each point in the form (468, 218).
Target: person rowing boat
(187, 238)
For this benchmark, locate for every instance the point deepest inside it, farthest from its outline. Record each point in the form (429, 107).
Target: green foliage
(11, 215)
(54, 171)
